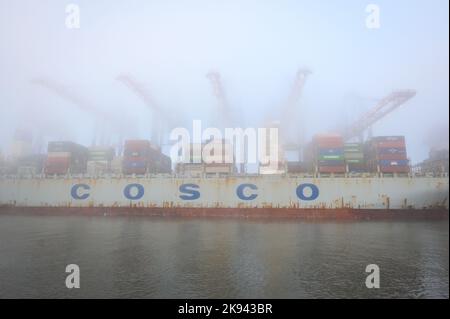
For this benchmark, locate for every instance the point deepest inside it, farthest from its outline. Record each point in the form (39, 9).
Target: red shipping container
(394, 169)
(58, 161)
(57, 165)
(397, 157)
(389, 144)
(388, 138)
(134, 145)
(328, 141)
(331, 169)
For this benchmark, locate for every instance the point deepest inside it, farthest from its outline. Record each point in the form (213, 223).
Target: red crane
(384, 107)
(146, 97)
(101, 117)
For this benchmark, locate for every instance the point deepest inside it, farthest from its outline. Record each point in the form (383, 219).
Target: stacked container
(66, 157)
(141, 157)
(296, 167)
(99, 160)
(387, 154)
(159, 163)
(31, 164)
(354, 157)
(328, 153)
(437, 163)
(22, 144)
(136, 157)
(116, 165)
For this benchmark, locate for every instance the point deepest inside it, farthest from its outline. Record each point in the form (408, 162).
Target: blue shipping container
(134, 164)
(393, 163)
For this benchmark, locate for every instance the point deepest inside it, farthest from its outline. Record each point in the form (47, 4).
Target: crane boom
(64, 93)
(101, 117)
(151, 104)
(289, 129)
(384, 107)
(296, 91)
(223, 110)
(139, 90)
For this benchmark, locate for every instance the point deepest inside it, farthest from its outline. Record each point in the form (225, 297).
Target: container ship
(335, 180)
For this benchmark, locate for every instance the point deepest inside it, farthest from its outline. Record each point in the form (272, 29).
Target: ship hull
(245, 197)
(245, 213)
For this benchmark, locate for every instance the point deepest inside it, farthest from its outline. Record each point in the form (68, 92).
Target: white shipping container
(98, 167)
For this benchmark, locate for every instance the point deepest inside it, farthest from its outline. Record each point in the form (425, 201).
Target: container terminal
(334, 175)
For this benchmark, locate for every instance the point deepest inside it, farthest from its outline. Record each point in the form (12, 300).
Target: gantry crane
(100, 117)
(383, 107)
(288, 130)
(223, 116)
(158, 113)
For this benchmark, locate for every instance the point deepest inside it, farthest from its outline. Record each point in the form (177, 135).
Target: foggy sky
(257, 46)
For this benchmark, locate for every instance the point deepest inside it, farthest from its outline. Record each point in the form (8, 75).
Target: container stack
(99, 160)
(219, 163)
(437, 163)
(296, 167)
(31, 164)
(189, 169)
(387, 154)
(136, 157)
(141, 157)
(22, 144)
(199, 163)
(116, 164)
(328, 153)
(65, 157)
(354, 157)
(159, 163)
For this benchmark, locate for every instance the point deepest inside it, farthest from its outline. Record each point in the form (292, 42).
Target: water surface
(140, 257)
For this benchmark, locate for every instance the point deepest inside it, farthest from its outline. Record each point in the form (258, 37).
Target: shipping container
(66, 157)
(101, 153)
(351, 156)
(332, 169)
(95, 168)
(393, 163)
(394, 169)
(141, 157)
(354, 161)
(220, 168)
(190, 169)
(396, 157)
(327, 153)
(356, 167)
(387, 154)
(116, 165)
(331, 162)
(299, 167)
(331, 151)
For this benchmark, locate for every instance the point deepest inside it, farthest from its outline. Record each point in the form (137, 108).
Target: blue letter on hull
(74, 191)
(301, 191)
(127, 191)
(189, 189)
(240, 191)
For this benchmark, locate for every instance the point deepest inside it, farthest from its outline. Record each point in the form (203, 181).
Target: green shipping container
(331, 157)
(354, 161)
(353, 148)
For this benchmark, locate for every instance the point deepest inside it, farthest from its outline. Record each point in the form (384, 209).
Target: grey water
(140, 257)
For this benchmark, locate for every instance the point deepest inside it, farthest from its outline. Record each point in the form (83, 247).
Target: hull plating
(263, 192)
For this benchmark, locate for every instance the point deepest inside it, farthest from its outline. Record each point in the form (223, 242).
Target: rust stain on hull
(256, 213)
